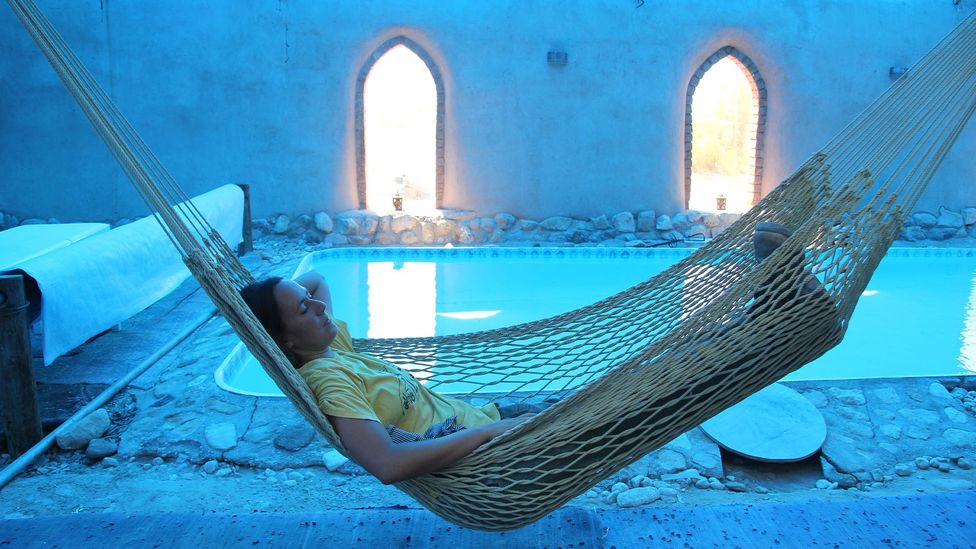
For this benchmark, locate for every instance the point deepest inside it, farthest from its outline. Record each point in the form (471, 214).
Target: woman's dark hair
(259, 296)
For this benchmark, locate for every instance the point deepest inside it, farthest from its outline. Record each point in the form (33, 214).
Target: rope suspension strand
(643, 366)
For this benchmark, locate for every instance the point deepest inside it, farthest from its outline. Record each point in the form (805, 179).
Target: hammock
(649, 363)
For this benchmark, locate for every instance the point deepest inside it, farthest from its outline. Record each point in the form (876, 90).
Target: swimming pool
(917, 317)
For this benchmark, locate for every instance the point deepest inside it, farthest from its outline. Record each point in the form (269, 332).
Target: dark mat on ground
(927, 520)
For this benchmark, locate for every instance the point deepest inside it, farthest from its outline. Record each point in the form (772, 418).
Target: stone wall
(361, 227)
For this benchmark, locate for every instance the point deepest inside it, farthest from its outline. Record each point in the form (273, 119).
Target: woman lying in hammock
(372, 404)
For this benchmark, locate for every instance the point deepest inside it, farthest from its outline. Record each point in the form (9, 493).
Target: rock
(110, 462)
(964, 463)
(850, 397)
(684, 477)
(824, 484)
(663, 223)
(335, 239)
(941, 233)
(816, 398)
(101, 447)
(844, 480)
(702, 484)
(735, 486)
(669, 461)
(956, 416)
(939, 391)
(347, 226)
(922, 463)
(637, 481)
(624, 222)
(211, 466)
(527, 225)
(715, 484)
(890, 430)
(556, 223)
(903, 470)
(958, 437)
(294, 437)
(711, 221)
(646, 221)
(695, 230)
(333, 460)
(888, 395)
(969, 216)
(619, 487)
(600, 223)
(638, 496)
(505, 221)
(221, 436)
(914, 234)
(924, 220)
(281, 224)
(323, 222)
(949, 218)
(85, 430)
(680, 221)
(465, 236)
(218, 405)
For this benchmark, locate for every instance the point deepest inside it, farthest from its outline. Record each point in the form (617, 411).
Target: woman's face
(308, 328)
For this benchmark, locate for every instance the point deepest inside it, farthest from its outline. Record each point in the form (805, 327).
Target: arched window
(400, 129)
(725, 117)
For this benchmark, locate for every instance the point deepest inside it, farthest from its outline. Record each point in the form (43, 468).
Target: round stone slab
(776, 424)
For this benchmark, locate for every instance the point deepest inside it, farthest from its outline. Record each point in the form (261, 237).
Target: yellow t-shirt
(356, 385)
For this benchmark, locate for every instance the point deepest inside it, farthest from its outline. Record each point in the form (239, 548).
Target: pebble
(211, 467)
(618, 487)
(761, 490)
(638, 496)
(735, 486)
(100, 448)
(295, 475)
(903, 470)
(823, 484)
(702, 483)
(157, 461)
(333, 460)
(922, 463)
(110, 462)
(85, 430)
(223, 472)
(716, 485)
(965, 463)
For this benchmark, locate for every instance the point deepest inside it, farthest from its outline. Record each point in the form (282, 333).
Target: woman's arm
(314, 282)
(370, 446)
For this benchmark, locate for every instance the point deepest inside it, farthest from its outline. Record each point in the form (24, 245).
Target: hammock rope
(641, 367)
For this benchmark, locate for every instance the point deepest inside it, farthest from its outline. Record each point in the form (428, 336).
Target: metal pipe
(17, 466)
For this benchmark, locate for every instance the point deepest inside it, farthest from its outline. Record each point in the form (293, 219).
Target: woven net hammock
(641, 367)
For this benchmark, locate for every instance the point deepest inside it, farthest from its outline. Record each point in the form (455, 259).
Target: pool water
(917, 316)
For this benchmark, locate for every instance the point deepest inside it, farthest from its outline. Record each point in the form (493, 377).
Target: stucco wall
(263, 92)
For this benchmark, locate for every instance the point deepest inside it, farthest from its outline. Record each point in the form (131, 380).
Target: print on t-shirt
(408, 388)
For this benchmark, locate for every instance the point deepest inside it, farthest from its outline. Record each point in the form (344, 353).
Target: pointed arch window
(725, 117)
(400, 129)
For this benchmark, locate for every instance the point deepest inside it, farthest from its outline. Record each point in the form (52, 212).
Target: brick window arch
(360, 116)
(758, 85)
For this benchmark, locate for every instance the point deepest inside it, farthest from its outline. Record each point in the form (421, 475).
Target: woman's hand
(499, 427)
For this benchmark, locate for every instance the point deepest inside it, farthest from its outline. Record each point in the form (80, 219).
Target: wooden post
(18, 394)
(248, 244)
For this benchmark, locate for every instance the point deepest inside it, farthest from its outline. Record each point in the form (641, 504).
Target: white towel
(96, 283)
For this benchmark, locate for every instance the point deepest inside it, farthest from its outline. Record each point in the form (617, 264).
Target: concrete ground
(186, 462)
